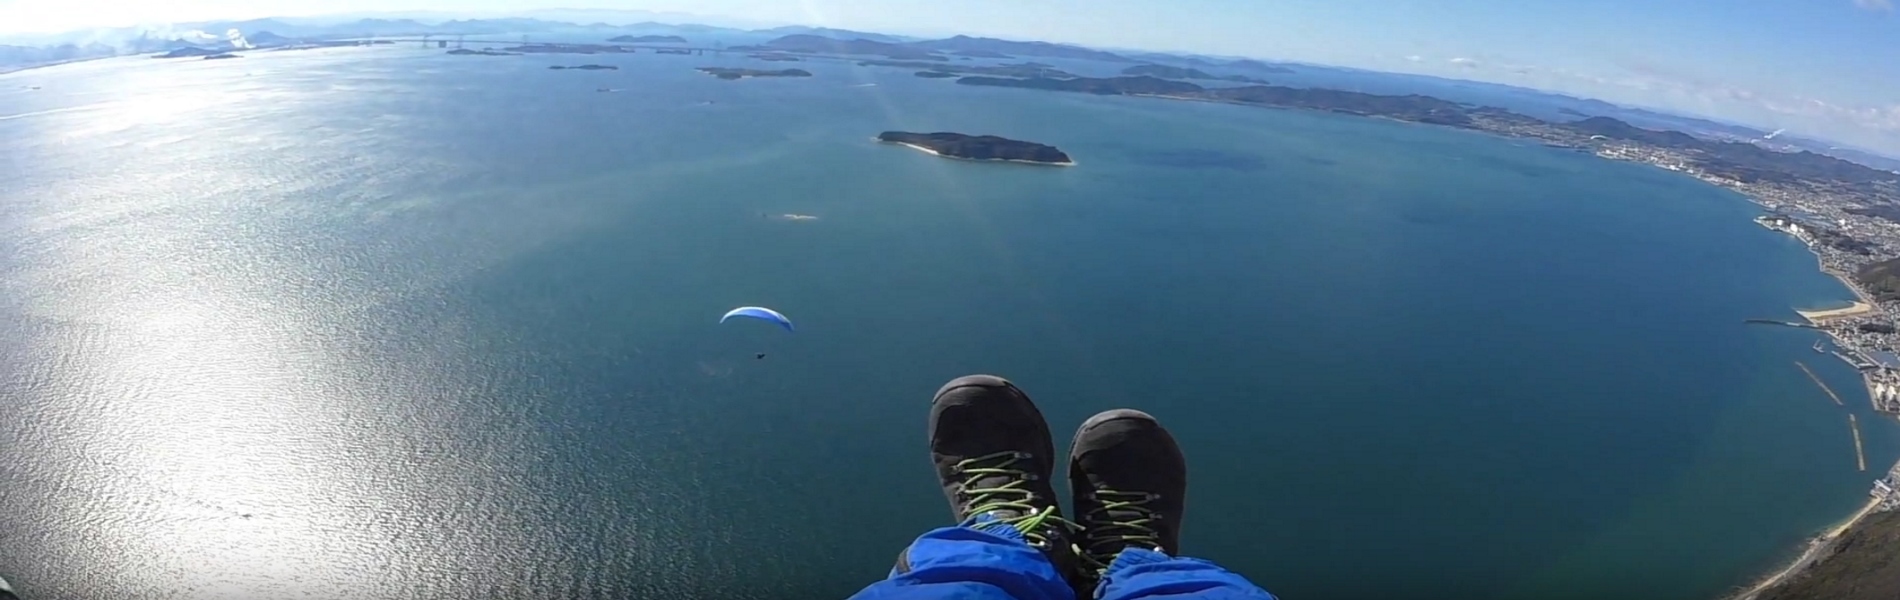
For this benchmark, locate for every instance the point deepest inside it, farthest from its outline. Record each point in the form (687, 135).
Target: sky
(1823, 68)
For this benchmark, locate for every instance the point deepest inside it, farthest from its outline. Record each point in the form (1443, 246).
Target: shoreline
(922, 149)
(1807, 558)
(1858, 308)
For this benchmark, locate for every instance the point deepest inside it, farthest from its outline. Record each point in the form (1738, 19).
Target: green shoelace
(1032, 520)
(1117, 532)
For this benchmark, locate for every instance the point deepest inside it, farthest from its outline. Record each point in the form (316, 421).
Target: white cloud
(1467, 63)
(1880, 5)
(1415, 58)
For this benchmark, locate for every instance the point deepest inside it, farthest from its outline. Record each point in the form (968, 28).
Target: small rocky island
(734, 73)
(979, 147)
(935, 74)
(587, 67)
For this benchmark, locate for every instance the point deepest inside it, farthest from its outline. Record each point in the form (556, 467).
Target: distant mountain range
(841, 42)
(39, 50)
(840, 34)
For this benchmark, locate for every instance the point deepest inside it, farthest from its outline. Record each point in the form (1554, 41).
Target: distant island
(1020, 70)
(484, 52)
(647, 39)
(222, 56)
(1167, 72)
(978, 147)
(935, 75)
(1112, 86)
(776, 57)
(189, 51)
(587, 67)
(815, 44)
(672, 51)
(734, 73)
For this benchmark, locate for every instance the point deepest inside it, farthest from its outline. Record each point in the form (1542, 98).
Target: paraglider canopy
(758, 312)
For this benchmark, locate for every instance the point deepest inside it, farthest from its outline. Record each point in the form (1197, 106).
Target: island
(734, 73)
(672, 51)
(589, 67)
(222, 56)
(978, 147)
(1112, 86)
(482, 52)
(647, 39)
(1020, 70)
(935, 74)
(776, 57)
(817, 44)
(189, 51)
(1167, 72)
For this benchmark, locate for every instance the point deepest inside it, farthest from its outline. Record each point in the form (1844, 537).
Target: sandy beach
(1817, 316)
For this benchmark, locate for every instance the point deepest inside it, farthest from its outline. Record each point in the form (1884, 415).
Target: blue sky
(1828, 68)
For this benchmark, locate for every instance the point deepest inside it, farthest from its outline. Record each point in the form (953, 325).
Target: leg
(993, 454)
(984, 560)
(1129, 485)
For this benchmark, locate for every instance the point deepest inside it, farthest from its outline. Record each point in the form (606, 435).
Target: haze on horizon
(1817, 68)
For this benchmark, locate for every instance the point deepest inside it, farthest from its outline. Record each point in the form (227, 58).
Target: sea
(389, 323)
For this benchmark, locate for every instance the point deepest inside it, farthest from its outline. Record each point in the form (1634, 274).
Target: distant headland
(979, 147)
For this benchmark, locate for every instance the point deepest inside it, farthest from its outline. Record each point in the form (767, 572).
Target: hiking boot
(994, 456)
(1128, 482)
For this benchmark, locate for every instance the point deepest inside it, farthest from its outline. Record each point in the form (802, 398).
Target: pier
(1817, 381)
(1783, 323)
(1860, 455)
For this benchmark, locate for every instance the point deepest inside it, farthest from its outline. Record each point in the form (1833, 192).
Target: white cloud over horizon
(1876, 5)
(1870, 126)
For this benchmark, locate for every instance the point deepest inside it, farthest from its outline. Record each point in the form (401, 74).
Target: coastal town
(1842, 226)
(1852, 225)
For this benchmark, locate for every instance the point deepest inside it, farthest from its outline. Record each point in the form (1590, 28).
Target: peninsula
(735, 73)
(979, 147)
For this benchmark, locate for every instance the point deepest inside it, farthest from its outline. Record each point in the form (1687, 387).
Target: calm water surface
(389, 323)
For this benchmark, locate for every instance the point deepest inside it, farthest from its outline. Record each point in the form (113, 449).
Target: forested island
(979, 147)
(735, 73)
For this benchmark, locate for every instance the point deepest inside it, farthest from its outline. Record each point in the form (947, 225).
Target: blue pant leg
(971, 563)
(1138, 574)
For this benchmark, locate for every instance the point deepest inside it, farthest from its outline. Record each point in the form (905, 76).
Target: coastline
(1818, 316)
(1816, 546)
(18, 69)
(922, 149)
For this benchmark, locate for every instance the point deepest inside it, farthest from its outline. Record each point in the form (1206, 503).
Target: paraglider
(758, 312)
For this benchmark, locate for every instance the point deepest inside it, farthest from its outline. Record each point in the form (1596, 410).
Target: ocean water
(389, 323)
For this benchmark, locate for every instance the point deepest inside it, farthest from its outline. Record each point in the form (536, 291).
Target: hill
(816, 44)
(1168, 72)
(964, 43)
(836, 34)
(1882, 279)
(1742, 161)
(1864, 564)
(647, 39)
